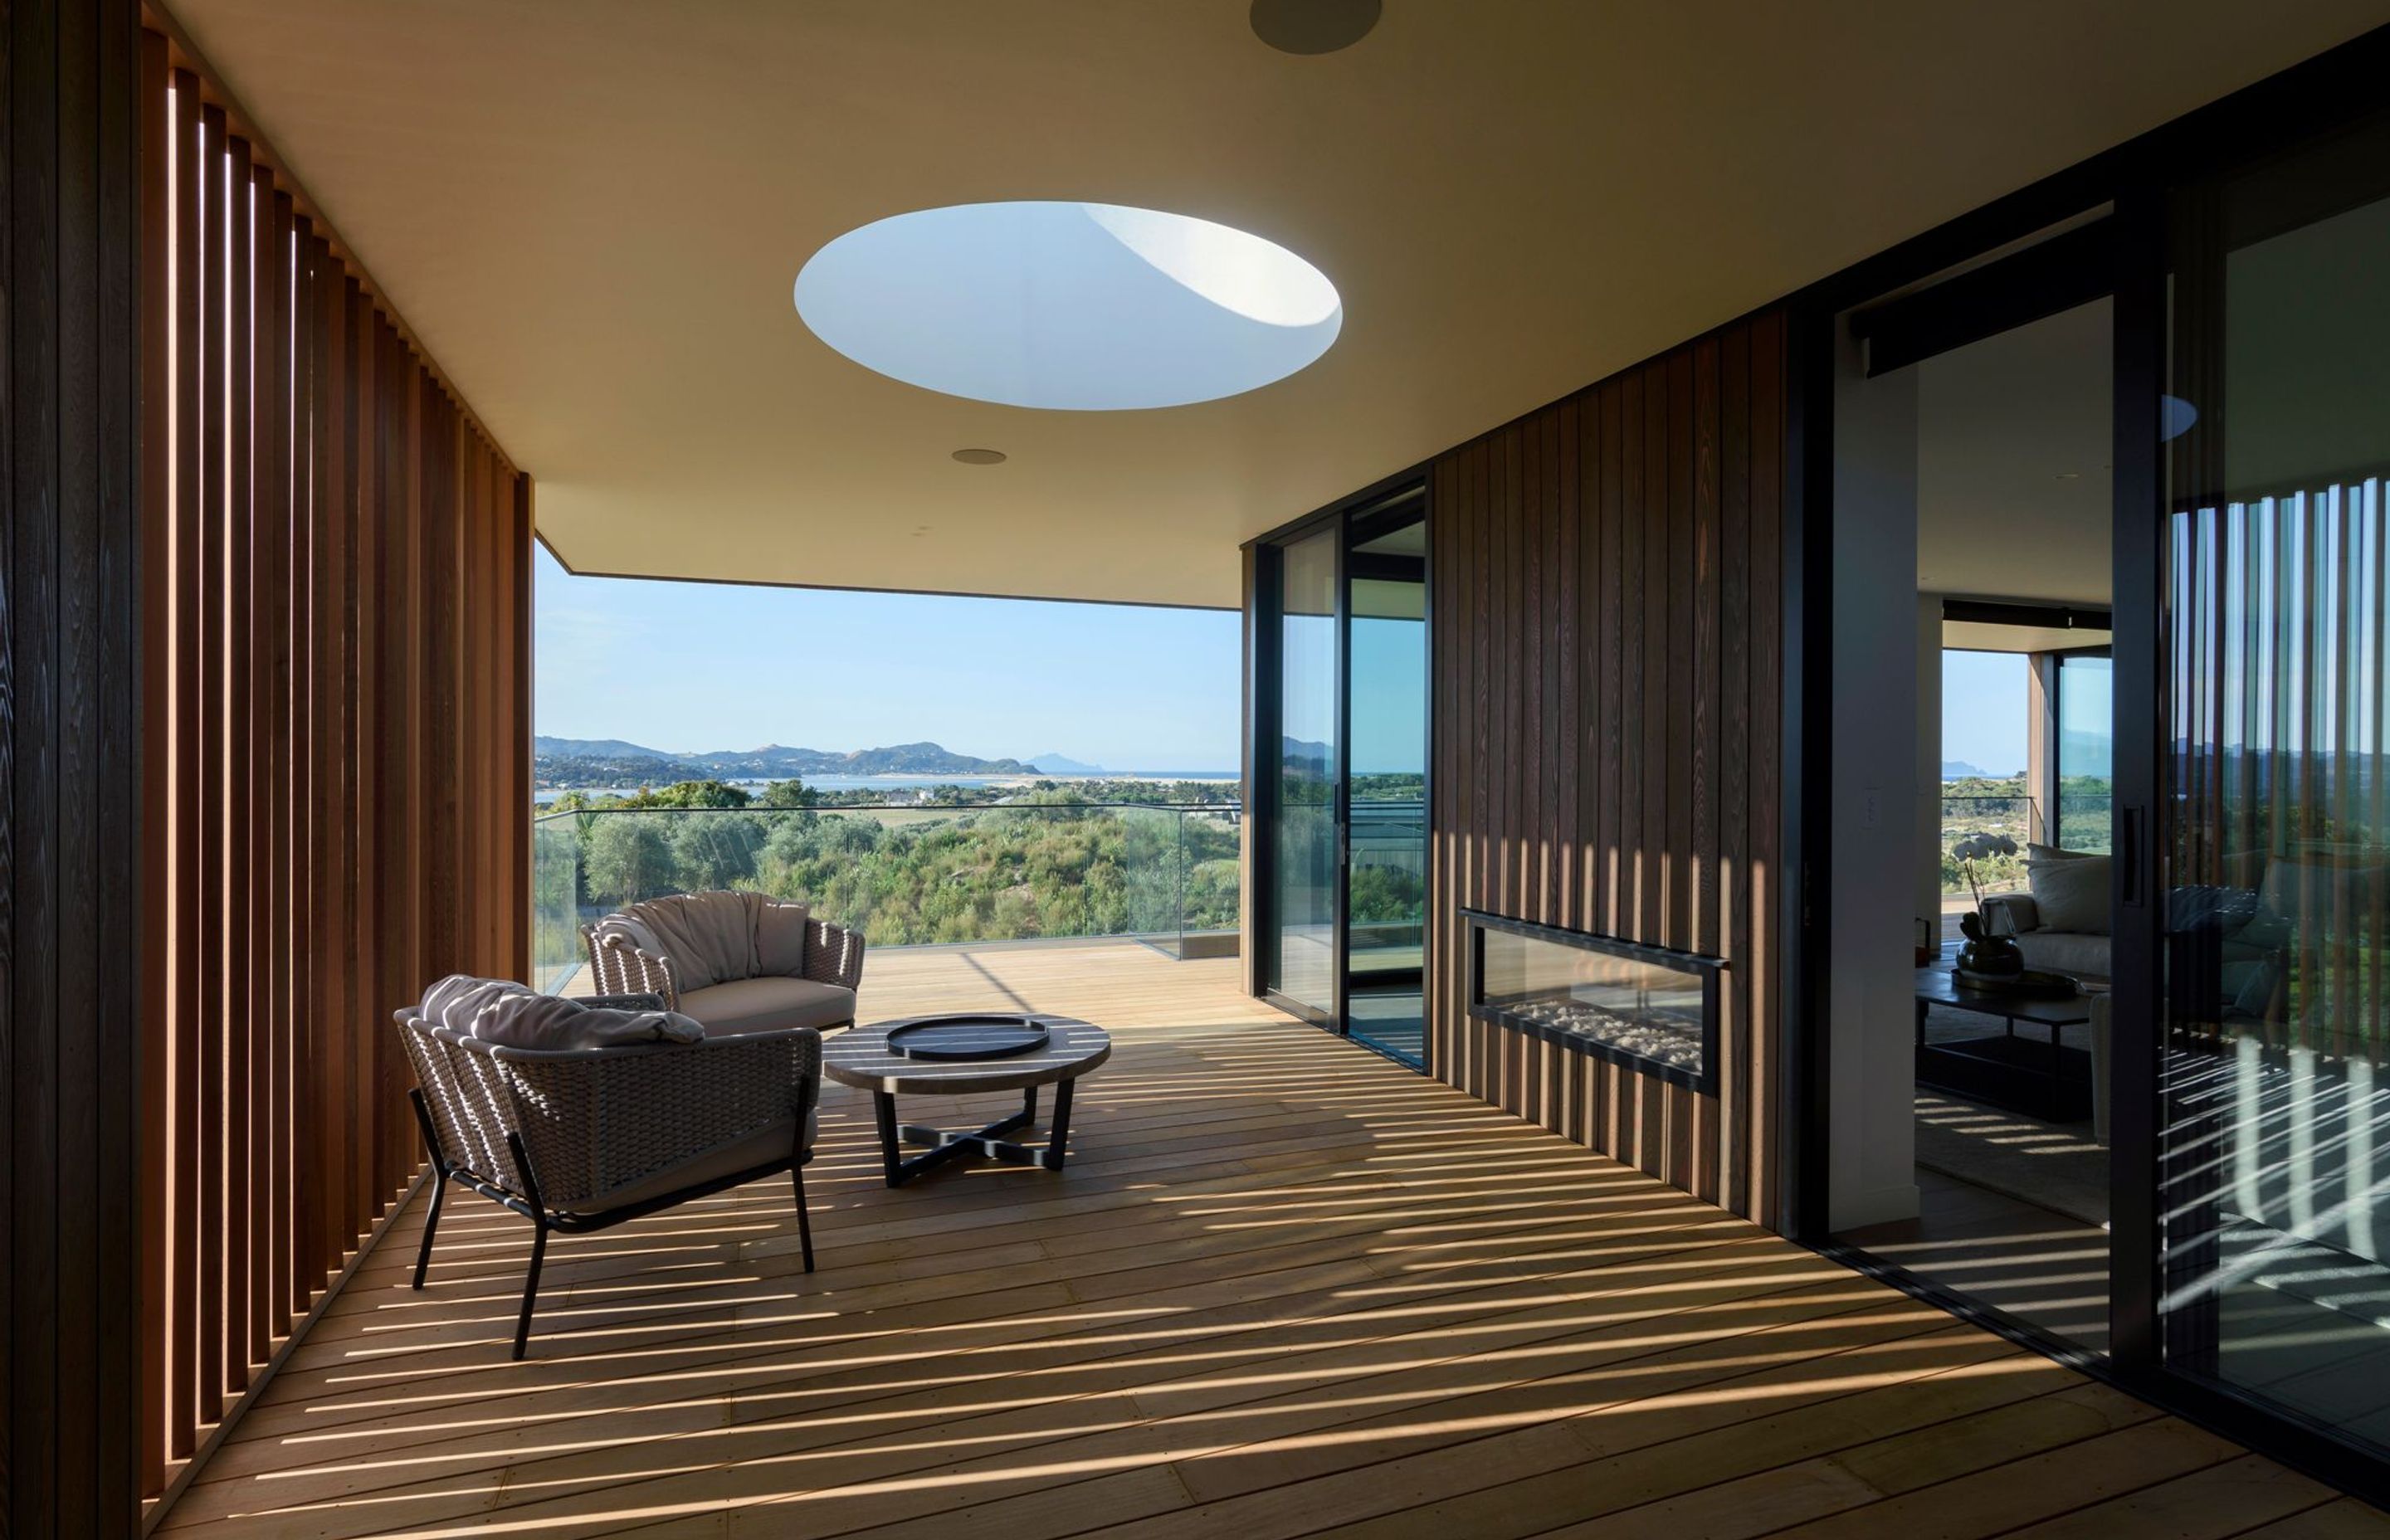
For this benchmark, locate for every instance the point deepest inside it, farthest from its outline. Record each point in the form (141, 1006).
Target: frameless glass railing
(905, 876)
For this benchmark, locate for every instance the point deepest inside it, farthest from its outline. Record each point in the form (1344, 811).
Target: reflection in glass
(1386, 885)
(2276, 1153)
(1305, 867)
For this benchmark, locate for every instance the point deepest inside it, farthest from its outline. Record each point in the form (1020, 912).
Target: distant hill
(595, 748)
(1959, 770)
(1063, 765)
(560, 761)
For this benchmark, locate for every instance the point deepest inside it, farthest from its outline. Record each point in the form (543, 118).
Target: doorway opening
(1973, 796)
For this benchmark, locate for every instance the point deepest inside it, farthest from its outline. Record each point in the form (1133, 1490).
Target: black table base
(987, 1143)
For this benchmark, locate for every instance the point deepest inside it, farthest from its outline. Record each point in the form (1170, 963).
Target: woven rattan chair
(731, 978)
(579, 1140)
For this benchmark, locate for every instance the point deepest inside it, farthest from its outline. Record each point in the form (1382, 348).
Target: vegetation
(1976, 805)
(1045, 864)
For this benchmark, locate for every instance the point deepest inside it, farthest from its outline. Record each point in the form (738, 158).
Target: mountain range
(771, 761)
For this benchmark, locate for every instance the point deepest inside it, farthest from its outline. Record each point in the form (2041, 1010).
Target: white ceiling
(591, 211)
(2014, 490)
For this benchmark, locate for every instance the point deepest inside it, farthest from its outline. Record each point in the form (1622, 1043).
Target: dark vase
(1995, 957)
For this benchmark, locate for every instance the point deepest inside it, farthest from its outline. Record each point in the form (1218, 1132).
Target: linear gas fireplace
(1647, 1007)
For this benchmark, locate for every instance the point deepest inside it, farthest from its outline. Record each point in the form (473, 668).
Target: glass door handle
(2132, 892)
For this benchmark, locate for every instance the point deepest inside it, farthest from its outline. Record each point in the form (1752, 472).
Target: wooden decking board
(1283, 1288)
(887, 1471)
(1643, 1450)
(1156, 1362)
(1315, 1310)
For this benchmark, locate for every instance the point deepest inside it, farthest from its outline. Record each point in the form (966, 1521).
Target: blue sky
(1984, 710)
(694, 667)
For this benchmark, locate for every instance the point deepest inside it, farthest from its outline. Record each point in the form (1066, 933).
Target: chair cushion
(767, 1005)
(761, 1147)
(2066, 952)
(779, 938)
(710, 937)
(510, 1015)
(2071, 892)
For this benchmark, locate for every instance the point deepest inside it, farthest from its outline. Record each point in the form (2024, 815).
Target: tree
(715, 849)
(627, 858)
(692, 794)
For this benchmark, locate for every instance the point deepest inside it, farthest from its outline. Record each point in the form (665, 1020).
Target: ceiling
(2014, 490)
(591, 211)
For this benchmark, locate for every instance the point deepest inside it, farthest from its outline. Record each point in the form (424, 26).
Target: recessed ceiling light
(980, 456)
(1083, 307)
(1312, 26)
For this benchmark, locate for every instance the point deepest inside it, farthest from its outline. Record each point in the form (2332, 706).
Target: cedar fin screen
(336, 561)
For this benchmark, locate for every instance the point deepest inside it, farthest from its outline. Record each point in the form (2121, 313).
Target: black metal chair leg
(431, 1226)
(538, 1238)
(805, 1221)
(439, 1183)
(531, 1290)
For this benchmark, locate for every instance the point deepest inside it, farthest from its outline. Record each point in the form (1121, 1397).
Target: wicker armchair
(729, 974)
(579, 1140)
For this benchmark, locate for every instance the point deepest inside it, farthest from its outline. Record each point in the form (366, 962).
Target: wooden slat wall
(336, 561)
(71, 766)
(1605, 648)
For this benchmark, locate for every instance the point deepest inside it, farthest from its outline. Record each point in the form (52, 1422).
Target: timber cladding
(336, 802)
(1606, 651)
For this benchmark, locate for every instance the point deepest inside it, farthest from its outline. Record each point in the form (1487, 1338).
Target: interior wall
(1605, 650)
(336, 562)
(1877, 648)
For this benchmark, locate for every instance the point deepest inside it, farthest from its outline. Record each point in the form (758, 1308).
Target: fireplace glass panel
(1653, 1010)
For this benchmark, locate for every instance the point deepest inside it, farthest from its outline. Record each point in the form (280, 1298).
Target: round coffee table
(862, 1058)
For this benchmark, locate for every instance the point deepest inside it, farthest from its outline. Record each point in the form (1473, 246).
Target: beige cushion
(2071, 892)
(2053, 853)
(767, 1005)
(515, 1016)
(761, 1147)
(2085, 956)
(710, 937)
(779, 938)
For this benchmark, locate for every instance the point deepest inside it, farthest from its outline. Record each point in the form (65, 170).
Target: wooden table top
(860, 1057)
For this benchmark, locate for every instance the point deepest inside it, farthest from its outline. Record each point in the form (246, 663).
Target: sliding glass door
(1341, 729)
(1386, 808)
(2274, 1139)
(1305, 764)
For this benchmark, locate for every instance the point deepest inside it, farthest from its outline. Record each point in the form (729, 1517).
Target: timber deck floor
(1284, 1288)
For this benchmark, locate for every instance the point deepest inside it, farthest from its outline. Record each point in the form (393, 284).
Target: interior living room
(1626, 1082)
(2002, 443)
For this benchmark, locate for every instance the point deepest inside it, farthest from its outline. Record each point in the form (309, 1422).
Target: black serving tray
(963, 1038)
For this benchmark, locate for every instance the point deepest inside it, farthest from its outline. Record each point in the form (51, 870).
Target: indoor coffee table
(864, 1059)
(2039, 1078)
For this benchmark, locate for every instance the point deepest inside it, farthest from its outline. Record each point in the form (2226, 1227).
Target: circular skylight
(1085, 307)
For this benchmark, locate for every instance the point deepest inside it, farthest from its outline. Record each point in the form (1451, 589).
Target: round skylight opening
(1085, 307)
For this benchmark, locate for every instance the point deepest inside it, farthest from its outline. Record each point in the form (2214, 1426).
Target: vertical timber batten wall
(1606, 749)
(70, 763)
(337, 801)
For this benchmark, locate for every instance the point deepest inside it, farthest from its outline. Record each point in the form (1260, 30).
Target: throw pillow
(2053, 853)
(710, 937)
(2071, 892)
(512, 1014)
(779, 938)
